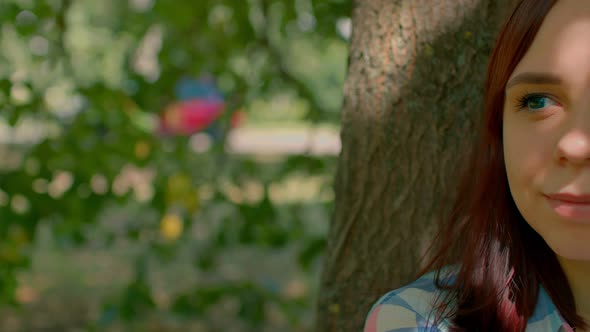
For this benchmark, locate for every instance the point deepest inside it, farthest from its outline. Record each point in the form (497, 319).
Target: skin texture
(547, 142)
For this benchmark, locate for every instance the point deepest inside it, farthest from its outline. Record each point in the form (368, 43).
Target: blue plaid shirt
(408, 309)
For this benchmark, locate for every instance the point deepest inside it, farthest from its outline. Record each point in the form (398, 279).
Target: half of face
(546, 131)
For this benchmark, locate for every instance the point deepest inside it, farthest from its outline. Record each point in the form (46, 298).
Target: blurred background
(167, 165)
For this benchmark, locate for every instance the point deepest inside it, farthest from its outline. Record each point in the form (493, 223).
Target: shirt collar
(546, 315)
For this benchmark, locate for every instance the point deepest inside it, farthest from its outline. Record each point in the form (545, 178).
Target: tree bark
(412, 98)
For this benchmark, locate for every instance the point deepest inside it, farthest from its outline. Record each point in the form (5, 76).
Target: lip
(570, 206)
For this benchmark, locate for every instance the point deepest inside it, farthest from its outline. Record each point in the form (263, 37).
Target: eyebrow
(534, 78)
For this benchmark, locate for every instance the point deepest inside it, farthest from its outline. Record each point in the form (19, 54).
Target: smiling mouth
(574, 207)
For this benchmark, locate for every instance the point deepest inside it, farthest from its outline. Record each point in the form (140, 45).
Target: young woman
(514, 252)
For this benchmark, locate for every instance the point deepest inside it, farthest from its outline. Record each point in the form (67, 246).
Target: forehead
(562, 45)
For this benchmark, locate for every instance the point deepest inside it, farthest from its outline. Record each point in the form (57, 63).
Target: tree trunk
(412, 98)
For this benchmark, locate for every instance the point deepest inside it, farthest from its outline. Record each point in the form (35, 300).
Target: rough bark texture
(412, 99)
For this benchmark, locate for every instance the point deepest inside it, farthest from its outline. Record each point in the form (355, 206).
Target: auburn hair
(500, 260)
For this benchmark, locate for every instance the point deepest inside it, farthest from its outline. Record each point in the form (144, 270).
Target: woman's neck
(578, 275)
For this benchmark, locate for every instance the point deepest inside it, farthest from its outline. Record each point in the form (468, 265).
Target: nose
(574, 147)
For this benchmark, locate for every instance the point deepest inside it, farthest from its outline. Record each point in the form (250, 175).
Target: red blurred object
(188, 117)
(237, 119)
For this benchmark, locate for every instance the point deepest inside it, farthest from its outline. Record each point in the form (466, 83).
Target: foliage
(82, 84)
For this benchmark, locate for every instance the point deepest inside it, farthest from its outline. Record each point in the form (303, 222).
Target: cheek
(526, 164)
(526, 154)
(518, 155)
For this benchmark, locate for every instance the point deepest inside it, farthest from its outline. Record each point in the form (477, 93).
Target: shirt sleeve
(392, 314)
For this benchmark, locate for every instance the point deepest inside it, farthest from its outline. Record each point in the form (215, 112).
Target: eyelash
(522, 102)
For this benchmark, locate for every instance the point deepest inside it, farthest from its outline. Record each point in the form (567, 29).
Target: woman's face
(547, 131)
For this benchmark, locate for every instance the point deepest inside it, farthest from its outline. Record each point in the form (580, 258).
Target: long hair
(500, 260)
